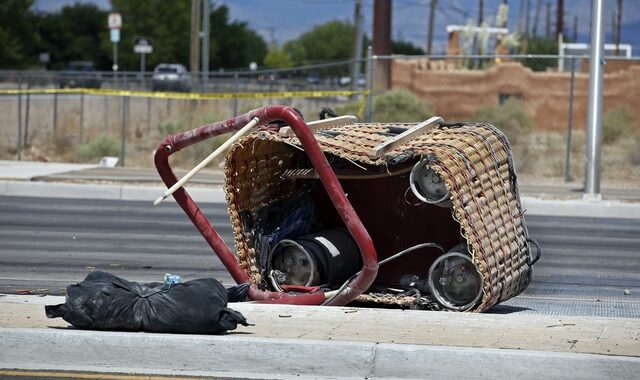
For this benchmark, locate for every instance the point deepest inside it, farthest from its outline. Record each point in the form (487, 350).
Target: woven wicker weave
(473, 159)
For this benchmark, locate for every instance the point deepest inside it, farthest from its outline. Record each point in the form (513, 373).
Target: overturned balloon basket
(334, 212)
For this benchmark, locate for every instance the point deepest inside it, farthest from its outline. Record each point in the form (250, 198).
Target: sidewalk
(288, 341)
(37, 179)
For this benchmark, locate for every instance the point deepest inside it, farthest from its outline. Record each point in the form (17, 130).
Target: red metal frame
(174, 143)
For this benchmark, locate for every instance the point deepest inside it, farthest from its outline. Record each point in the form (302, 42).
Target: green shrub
(170, 128)
(392, 106)
(634, 152)
(100, 146)
(615, 124)
(510, 118)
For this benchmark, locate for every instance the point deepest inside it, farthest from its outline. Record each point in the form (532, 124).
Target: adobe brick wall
(457, 93)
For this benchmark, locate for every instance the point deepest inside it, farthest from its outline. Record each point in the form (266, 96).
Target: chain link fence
(80, 116)
(540, 102)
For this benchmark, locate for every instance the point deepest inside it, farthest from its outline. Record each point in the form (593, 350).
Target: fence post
(368, 111)
(123, 129)
(19, 136)
(55, 114)
(567, 165)
(148, 114)
(81, 118)
(25, 140)
(235, 92)
(106, 114)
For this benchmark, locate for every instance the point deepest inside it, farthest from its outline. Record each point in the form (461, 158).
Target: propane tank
(427, 185)
(454, 280)
(327, 257)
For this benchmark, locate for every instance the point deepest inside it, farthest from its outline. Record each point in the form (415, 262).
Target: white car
(171, 77)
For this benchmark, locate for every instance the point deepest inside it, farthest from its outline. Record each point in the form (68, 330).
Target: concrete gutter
(533, 206)
(250, 357)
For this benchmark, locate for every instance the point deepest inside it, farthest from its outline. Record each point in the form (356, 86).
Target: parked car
(171, 77)
(360, 82)
(268, 76)
(80, 74)
(313, 79)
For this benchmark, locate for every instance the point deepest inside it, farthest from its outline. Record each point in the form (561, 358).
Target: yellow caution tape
(187, 95)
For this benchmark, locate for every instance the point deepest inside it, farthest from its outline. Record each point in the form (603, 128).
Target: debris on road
(106, 302)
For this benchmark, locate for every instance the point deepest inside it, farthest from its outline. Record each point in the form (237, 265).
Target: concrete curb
(580, 208)
(92, 191)
(239, 356)
(533, 206)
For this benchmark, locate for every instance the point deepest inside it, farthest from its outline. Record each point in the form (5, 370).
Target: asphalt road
(47, 244)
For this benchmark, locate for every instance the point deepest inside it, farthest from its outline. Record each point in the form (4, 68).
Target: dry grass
(538, 154)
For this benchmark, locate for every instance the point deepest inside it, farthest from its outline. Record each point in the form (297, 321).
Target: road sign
(143, 45)
(115, 21)
(115, 35)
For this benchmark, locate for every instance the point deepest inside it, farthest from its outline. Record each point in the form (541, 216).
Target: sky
(286, 19)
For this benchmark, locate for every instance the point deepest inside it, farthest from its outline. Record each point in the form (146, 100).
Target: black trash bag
(106, 302)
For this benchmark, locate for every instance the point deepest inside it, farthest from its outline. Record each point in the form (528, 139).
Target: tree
(333, 41)
(538, 45)
(405, 48)
(167, 23)
(74, 33)
(327, 42)
(277, 58)
(234, 45)
(17, 37)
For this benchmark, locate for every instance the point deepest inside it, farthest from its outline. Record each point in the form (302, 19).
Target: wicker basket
(473, 159)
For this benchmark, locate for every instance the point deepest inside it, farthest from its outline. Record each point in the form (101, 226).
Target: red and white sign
(115, 21)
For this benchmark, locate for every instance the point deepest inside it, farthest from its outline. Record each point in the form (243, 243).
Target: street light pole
(357, 45)
(596, 83)
(115, 56)
(206, 31)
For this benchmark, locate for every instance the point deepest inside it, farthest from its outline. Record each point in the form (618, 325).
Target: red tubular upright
(174, 143)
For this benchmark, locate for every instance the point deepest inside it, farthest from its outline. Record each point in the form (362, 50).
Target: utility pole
(196, 9)
(382, 43)
(206, 32)
(527, 17)
(432, 17)
(613, 26)
(272, 35)
(594, 111)
(521, 17)
(474, 46)
(575, 29)
(547, 26)
(560, 21)
(358, 19)
(618, 27)
(536, 18)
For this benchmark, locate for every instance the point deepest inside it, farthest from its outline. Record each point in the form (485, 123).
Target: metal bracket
(405, 136)
(319, 124)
